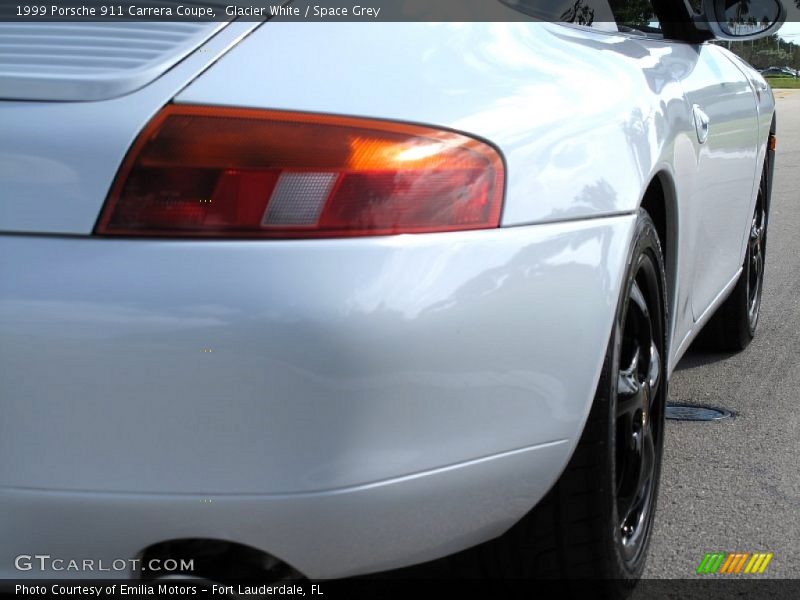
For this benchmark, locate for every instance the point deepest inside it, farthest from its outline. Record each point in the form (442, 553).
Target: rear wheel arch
(660, 202)
(577, 531)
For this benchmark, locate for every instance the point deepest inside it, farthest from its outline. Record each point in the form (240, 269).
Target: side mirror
(738, 20)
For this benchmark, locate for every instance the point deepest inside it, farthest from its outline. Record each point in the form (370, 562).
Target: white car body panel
(726, 170)
(520, 85)
(523, 86)
(325, 394)
(58, 159)
(299, 384)
(91, 61)
(325, 535)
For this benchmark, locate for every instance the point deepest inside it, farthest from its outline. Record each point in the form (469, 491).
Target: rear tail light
(224, 172)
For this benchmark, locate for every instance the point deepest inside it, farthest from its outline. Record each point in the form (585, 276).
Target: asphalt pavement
(734, 485)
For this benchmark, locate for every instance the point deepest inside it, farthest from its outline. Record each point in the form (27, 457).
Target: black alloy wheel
(639, 408)
(755, 263)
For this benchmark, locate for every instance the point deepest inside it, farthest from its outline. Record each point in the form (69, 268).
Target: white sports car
(331, 299)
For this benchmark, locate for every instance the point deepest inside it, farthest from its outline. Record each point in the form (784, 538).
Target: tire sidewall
(644, 242)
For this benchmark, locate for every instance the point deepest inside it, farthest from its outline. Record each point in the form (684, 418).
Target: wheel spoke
(755, 226)
(638, 299)
(648, 459)
(629, 388)
(625, 506)
(759, 256)
(630, 507)
(654, 373)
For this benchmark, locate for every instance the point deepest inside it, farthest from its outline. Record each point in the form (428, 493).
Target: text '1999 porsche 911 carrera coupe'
(327, 299)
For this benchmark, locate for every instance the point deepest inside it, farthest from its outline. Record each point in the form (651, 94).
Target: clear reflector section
(298, 198)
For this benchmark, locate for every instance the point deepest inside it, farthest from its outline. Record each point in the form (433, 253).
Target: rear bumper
(328, 534)
(345, 405)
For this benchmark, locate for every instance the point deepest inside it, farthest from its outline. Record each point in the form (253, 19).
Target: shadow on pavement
(697, 357)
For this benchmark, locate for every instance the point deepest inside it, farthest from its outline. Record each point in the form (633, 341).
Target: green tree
(634, 13)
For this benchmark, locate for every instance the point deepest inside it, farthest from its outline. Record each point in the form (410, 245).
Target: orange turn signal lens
(227, 172)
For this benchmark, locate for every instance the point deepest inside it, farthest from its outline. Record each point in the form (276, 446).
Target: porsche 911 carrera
(328, 299)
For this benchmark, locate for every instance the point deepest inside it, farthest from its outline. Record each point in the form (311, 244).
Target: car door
(723, 106)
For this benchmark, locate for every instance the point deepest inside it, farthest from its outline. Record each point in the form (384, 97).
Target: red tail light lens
(224, 172)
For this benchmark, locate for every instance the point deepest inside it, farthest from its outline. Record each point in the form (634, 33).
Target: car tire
(577, 531)
(733, 326)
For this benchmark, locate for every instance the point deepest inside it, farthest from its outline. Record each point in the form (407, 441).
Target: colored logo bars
(734, 563)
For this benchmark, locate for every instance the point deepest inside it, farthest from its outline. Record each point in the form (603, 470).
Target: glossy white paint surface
(324, 535)
(585, 119)
(421, 351)
(723, 189)
(91, 60)
(357, 389)
(58, 159)
(523, 86)
(309, 369)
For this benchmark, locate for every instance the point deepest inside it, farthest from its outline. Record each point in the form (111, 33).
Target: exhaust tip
(208, 562)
